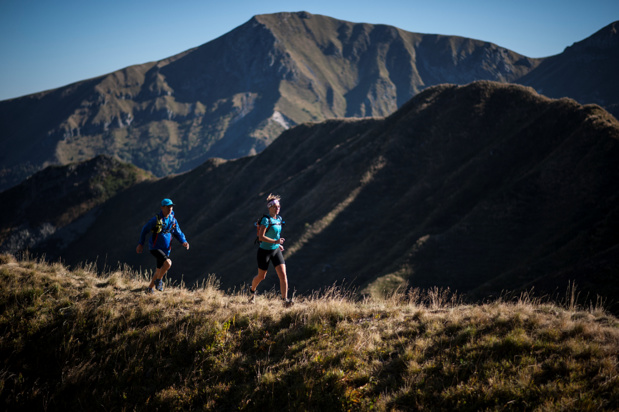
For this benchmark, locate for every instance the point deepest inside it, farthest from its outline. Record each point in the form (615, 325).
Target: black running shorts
(265, 256)
(160, 256)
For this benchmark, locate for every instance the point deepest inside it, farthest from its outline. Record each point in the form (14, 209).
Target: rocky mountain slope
(234, 95)
(480, 188)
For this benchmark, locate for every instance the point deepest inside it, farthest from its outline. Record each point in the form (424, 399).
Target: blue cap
(167, 202)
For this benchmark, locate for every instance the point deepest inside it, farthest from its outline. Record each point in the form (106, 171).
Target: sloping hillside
(60, 196)
(233, 96)
(77, 340)
(479, 188)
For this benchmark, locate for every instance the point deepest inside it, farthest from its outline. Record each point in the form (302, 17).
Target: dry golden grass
(73, 339)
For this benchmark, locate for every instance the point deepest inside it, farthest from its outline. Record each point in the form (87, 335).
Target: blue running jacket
(163, 240)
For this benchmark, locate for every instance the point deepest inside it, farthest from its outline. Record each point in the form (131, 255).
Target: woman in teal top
(270, 250)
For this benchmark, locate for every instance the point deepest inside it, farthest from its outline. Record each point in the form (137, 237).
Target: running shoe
(159, 285)
(149, 291)
(288, 303)
(252, 295)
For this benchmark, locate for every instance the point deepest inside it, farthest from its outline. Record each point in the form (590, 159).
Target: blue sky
(45, 44)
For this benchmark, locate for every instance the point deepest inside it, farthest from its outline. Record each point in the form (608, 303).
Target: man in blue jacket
(162, 227)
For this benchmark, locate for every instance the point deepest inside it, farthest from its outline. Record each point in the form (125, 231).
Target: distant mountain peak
(233, 96)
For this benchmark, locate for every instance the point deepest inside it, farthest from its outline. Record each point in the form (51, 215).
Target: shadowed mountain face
(480, 188)
(586, 71)
(233, 96)
(59, 196)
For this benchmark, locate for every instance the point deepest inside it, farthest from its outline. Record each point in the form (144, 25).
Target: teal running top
(274, 231)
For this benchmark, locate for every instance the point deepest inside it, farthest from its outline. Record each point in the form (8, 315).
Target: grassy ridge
(72, 339)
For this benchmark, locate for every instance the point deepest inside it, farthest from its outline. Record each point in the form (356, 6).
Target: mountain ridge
(584, 71)
(234, 95)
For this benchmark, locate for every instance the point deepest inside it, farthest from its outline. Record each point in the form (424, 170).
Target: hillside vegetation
(73, 339)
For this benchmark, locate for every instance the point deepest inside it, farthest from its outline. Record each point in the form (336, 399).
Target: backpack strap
(170, 226)
(268, 220)
(281, 223)
(158, 227)
(161, 226)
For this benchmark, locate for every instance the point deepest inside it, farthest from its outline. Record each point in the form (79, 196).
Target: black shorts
(160, 256)
(265, 256)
